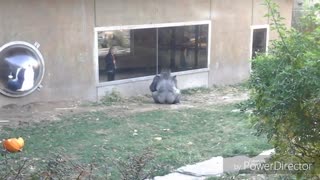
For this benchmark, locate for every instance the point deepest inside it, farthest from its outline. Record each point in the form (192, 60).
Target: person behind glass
(111, 64)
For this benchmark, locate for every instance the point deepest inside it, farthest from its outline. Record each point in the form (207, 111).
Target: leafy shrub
(13, 167)
(112, 98)
(136, 167)
(285, 91)
(59, 166)
(16, 166)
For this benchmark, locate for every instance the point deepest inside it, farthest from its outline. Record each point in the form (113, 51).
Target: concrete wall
(286, 7)
(131, 12)
(199, 78)
(231, 22)
(65, 30)
(231, 34)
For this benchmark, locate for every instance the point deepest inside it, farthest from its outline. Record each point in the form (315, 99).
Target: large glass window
(145, 51)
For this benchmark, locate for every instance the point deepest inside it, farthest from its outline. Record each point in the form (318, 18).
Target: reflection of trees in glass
(186, 45)
(120, 38)
(117, 38)
(102, 40)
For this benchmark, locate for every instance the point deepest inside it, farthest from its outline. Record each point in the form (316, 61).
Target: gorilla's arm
(153, 85)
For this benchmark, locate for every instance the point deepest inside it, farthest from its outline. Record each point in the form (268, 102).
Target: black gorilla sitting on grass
(164, 89)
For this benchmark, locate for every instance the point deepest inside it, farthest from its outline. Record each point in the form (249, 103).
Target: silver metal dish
(21, 68)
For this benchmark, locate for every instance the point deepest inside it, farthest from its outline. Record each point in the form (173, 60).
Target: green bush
(60, 166)
(112, 98)
(285, 91)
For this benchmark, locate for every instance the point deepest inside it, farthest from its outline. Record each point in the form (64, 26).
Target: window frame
(146, 26)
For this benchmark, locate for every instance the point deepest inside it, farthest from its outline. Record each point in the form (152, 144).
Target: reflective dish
(21, 68)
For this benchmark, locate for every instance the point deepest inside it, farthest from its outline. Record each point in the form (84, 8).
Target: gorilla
(164, 89)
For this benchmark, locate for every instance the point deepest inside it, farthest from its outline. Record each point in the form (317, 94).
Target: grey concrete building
(203, 42)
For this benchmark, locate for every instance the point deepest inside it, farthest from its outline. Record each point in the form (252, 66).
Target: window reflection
(140, 52)
(183, 48)
(134, 58)
(119, 38)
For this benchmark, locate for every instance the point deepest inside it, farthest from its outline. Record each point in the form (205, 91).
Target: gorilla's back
(164, 89)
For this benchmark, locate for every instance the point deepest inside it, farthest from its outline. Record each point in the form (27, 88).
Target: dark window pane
(183, 48)
(259, 41)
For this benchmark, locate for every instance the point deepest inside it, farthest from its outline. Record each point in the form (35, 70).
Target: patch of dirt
(51, 111)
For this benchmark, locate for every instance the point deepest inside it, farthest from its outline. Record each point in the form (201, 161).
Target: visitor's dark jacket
(109, 62)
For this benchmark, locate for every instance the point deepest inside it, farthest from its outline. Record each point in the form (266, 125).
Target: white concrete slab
(216, 166)
(267, 152)
(211, 167)
(178, 176)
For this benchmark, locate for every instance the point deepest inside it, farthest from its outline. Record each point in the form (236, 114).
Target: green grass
(188, 136)
(193, 91)
(242, 87)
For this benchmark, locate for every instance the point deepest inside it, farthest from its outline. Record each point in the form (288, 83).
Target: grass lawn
(175, 137)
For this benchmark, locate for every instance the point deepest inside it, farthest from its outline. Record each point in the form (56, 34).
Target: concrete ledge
(140, 86)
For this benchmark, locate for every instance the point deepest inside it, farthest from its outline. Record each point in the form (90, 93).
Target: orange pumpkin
(13, 144)
(21, 142)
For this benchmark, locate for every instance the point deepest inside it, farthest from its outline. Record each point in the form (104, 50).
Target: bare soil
(51, 111)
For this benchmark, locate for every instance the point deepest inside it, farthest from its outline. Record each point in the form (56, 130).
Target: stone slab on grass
(211, 167)
(215, 167)
(178, 176)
